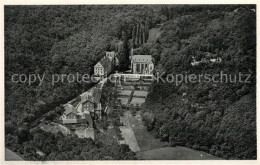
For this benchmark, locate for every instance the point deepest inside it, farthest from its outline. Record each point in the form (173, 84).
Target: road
(128, 133)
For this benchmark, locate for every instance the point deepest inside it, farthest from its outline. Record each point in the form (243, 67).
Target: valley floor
(147, 147)
(175, 153)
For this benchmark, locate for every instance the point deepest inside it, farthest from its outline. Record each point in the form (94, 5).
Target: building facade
(103, 67)
(142, 64)
(106, 64)
(111, 56)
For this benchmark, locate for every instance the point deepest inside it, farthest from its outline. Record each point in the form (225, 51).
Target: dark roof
(105, 62)
(142, 58)
(74, 102)
(69, 109)
(89, 119)
(88, 98)
(95, 98)
(97, 95)
(86, 119)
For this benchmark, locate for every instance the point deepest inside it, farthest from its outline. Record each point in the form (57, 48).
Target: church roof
(142, 58)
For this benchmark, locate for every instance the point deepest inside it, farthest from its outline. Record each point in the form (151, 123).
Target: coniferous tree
(133, 36)
(146, 29)
(124, 54)
(137, 35)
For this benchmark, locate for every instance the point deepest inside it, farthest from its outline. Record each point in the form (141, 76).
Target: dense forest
(59, 40)
(218, 118)
(69, 39)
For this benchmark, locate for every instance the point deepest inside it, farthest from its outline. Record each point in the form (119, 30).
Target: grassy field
(152, 148)
(175, 153)
(146, 140)
(154, 33)
(129, 138)
(127, 132)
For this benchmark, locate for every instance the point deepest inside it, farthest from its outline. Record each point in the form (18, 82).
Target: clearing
(128, 133)
(175, 153)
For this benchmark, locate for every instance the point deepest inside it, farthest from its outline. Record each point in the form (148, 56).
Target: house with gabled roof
(106, 64)
(89, 105)
(75, 119)
(70, 114)
(90, 102)
(113, 58)
(80, 112)
(103, 67)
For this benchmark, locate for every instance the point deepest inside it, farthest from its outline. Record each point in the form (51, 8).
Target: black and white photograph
(102, 82)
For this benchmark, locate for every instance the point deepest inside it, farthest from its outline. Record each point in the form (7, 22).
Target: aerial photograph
(130, 82)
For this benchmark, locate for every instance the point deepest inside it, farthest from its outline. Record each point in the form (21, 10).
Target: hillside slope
(215, 117)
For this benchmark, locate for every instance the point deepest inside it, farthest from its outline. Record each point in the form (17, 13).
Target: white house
(103, 67)
(142, 64)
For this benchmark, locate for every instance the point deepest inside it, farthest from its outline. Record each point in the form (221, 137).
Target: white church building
(142, 64)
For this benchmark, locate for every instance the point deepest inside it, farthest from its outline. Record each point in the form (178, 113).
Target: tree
(124, 53)
(134, 36)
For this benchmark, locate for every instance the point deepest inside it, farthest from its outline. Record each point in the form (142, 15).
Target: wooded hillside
(69, 39)
(58, 40)
(218, 118)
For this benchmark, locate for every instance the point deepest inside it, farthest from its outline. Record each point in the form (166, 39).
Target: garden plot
(137, 101)
(124, 92)
(140, 93)
(127, 87)
(124, 100)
